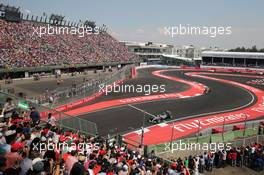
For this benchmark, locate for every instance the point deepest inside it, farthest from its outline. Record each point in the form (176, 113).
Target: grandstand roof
(177, 57)
(147, 44)
(249, 55)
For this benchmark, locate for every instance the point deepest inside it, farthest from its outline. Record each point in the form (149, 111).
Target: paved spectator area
(34, 88)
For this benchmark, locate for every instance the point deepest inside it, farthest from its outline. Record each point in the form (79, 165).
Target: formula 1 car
(160, 117)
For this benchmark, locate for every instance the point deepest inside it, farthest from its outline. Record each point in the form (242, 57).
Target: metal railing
(63, 120)
(66, 95)
(251, 134)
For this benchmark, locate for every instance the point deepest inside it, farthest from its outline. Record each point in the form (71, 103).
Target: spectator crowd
(20, 47)
(28, 146)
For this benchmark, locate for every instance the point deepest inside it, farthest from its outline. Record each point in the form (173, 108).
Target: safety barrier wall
(235, 138)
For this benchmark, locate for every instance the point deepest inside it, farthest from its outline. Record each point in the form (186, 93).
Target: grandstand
(21, 50)
(248, 60)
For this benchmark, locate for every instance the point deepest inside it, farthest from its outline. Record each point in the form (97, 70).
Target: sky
(146, 20)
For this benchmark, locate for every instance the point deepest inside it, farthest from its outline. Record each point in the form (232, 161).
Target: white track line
(138, 103)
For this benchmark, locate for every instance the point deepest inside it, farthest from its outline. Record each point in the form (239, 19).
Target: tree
(243, 49)
(254, 49)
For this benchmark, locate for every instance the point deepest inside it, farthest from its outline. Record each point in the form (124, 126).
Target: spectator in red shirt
(233, 158)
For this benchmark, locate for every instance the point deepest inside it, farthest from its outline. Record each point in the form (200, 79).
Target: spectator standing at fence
(261, 129)
(196, 165)
(223, 158)
(51, 121)
(35, 116)
(191, 164)
(202, 163)
(172, 169)
(239, 157)
(233, 158)
(259, 163)
(152, 155)
(8, 109)
(186, 162)
(206, 160)
(217, 159)
(211, 161)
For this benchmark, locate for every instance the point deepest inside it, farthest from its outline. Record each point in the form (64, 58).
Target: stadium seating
(20, 47)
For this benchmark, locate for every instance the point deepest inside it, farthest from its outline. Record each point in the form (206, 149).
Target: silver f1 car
(160, 117)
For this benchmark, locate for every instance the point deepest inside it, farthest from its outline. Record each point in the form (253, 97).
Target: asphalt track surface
(144, 78)
(128, 118)
(243, 80)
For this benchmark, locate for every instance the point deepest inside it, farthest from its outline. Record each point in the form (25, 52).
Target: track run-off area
(121, 113)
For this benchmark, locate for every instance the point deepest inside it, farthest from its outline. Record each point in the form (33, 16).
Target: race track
(223, 97)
